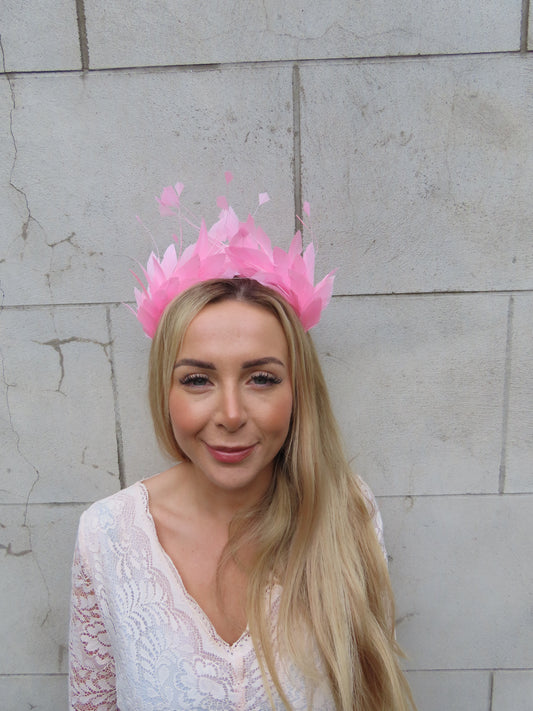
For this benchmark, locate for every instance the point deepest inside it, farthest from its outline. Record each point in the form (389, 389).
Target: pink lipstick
(230, 455)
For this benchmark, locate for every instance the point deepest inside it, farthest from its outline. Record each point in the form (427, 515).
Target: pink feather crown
(230, 248)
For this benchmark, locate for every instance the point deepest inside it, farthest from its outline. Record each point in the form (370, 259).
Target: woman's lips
(230, 455)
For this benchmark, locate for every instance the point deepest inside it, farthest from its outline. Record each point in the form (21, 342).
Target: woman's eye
(195, 380)
(265, 379)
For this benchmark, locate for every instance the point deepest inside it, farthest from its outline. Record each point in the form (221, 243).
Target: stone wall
(409, 128)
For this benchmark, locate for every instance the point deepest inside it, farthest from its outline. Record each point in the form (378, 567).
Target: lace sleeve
(92, 667)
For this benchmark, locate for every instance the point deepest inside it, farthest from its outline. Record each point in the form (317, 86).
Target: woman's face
(231, 397)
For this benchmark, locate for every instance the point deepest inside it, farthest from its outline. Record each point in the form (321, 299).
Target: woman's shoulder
(126, 506)
(112, 525)
(111, 511)
(165, 484)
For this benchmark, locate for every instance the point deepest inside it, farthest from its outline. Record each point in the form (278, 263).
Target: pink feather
(230, 248)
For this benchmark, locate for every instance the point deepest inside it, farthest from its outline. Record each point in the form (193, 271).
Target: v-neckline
(193, 603)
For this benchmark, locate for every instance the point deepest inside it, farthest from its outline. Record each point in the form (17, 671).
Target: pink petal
(296, 245)
(309, 261)
(157, 276)
(324, 288)
(281, 261)
(186, 255)
(257, 237)
(140, 282)
(203, 245)
(270, 279)
(213, 267)
(300, 285)
(248, 260)
(139, 296)
(169, 197)
(311, 314)
(226, 227)
(165, 211)
(170, 260)
(229, 248)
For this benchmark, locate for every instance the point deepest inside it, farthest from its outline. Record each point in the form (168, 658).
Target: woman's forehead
(236, 327)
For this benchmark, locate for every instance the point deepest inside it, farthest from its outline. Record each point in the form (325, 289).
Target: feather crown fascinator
(228, 249)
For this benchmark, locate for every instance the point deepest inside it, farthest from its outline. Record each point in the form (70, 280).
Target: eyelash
(197, 380)
(194, 379)
(270, 379)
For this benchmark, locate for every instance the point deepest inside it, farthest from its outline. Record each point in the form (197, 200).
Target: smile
(230, 455)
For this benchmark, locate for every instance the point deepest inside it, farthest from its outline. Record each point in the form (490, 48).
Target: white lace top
(140, 642)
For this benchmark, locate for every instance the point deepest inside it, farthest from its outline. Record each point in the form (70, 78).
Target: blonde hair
(312, 531)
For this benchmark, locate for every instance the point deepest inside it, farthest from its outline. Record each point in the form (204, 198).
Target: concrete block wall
(409, 128)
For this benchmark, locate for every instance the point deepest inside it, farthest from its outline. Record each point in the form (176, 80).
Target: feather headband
(228, 249)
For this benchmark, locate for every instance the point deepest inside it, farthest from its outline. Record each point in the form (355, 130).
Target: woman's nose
(231, 413)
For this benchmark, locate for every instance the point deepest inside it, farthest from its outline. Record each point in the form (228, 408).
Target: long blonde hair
(312, 530)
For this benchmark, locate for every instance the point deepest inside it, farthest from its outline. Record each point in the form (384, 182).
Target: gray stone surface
(35, 692)
(56, 412)
(193, 32)
(424, 176)
(513, 691)
(38, 543)
(141, 454)
(93, 151)
(419, 171)
(451, 691)
(417, 385)
(37, 36)
(13, 212)
(519, 445)
(464, 590)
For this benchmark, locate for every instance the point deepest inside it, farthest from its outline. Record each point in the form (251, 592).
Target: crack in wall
(406, 617)
(491, 690)
(25, 522)
(506, 396)
(85, 463)
(65, 240)
(29, 217)
(16, 554)
(54, 269)
(118, 424)
(297, 147)
(61, 653)
(524, 28)
(58, 343)
(18, 449)
(82, 34)
(37, 477)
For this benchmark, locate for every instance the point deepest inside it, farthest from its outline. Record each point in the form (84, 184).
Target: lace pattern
(139, 642)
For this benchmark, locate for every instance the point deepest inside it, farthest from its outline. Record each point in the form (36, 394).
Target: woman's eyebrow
(258, 362)
(206, 365)
(195, 363)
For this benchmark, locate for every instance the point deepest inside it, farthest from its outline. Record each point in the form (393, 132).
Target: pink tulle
(231, 248)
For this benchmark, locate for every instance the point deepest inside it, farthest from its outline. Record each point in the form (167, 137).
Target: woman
(249, 575)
